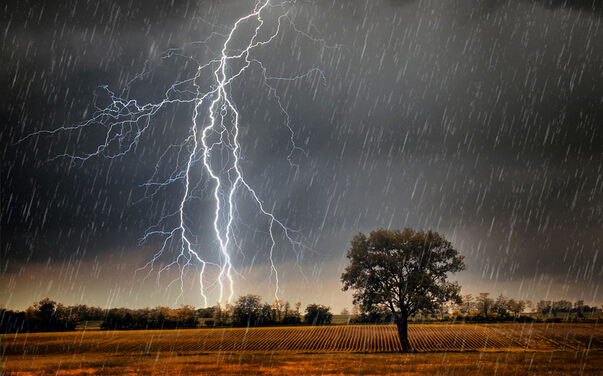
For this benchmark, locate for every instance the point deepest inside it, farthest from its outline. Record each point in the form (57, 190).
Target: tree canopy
(405, 271)
(318, 314)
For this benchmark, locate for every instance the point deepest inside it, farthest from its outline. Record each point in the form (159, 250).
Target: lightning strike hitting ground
(213, 145)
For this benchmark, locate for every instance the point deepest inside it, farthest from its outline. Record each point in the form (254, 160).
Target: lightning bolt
(213, 144)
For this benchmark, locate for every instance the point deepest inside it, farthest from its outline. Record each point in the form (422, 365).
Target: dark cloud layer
(480, 119)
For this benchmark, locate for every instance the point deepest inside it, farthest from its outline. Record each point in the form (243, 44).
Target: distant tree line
(248, 311)
(546, 308)
(150, 318)
(44, 316)
(482, 307)
(485, 308)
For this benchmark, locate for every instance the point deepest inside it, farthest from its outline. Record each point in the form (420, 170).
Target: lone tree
(403, 271)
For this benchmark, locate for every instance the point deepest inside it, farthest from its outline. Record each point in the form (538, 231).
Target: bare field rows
(350, 338)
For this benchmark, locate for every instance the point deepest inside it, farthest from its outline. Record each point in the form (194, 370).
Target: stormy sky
(480, 119)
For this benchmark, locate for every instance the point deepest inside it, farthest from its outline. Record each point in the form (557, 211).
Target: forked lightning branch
(213, 145)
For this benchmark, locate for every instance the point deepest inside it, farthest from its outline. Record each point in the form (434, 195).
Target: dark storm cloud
(492, 120)
(585, 5)
(59, 53)
(480, 119)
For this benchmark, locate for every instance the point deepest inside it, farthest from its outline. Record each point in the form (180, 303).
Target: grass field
(442, 363)
(501, 349)
(89, 325)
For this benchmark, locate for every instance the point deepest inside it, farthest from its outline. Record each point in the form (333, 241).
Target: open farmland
(352, 338)
(501, 349)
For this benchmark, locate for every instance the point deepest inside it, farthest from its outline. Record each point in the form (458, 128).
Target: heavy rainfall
(478, 119)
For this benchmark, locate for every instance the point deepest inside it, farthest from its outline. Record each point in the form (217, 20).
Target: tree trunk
(402, 325)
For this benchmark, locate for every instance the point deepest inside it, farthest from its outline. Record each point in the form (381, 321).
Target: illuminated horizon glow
(214, 140)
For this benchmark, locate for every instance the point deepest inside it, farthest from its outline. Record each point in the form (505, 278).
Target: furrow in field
(356, 340)
(437, 337)
(433, 337)
(415, 338)
(348, 338)
(442, 337)
(470, 340)
(301, 338)
(258, 340)
(275, 339)
(392, 336)
(473, 340)
(501, 341)
(462, 339)
(329, 336)
(459, 341)
(285, 340)
(293, 340)
(381, 339)
(363, 339)
(392, 339)
(346, 343)
(452, 339)
(353, 340)
(318, 338)
(337, 344)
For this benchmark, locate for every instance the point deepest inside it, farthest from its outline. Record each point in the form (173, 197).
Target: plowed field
(352, 338)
